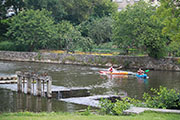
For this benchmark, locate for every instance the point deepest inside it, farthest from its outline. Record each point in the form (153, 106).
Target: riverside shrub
(7, 46)
(106, 106)
(117, 108)
(120, 106)
(162, 98)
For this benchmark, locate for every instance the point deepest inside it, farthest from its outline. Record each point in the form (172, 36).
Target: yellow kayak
(114, 73)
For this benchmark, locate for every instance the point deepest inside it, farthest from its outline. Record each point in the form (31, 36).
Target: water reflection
(29, 102)
(17, 102)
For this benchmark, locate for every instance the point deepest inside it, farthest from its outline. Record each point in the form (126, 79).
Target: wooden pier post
(49, 83)
(33, 85)
(20, 102)
(23, 82)
(19, 81)
(28, 79)
(49, 105)
(38, 104)
(38, 86)
(43, 83)
(28, 102)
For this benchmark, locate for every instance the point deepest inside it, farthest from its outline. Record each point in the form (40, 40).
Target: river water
(78, 76)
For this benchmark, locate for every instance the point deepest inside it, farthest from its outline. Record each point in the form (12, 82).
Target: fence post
(28, 78)
(49, 83)
(19, 81)
(38, 86)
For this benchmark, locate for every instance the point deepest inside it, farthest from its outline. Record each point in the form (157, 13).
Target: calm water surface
(78, 76)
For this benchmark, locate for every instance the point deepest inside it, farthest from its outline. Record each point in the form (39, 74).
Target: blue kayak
(142, 76)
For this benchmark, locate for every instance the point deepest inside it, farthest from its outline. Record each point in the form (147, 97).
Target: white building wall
(123, 3)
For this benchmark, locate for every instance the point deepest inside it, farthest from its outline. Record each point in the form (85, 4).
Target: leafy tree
(104, 8)
(54, 6)
(99, 29)
(134, 28)
(77, 10)
(71, 39)
(82, 10)
(3, 29)
(68, 36)
(86, 44)
(32, 29)
(169, 14)
(154, 42)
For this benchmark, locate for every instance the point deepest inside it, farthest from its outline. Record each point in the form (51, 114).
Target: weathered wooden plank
(8, 81)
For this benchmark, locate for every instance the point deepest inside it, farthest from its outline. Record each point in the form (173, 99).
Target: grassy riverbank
(67, 116)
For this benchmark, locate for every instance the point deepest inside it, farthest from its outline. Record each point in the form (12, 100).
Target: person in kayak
(140, 72)
(111, 69)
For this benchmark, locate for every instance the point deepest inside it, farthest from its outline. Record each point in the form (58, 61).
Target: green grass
(67, 116)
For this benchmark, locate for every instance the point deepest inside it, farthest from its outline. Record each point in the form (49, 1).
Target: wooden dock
(40, 85)
(8, 77)
(8, 81)
(34, 83)
(58, 92)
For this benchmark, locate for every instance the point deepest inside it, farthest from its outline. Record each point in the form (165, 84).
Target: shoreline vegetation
(148, 115)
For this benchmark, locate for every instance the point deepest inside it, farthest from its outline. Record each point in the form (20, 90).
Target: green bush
(117, 108)
(8, 46)
(162, 98)
(106, 106)
(120, 106)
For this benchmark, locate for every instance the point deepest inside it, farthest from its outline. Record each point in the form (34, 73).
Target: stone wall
(94, 60)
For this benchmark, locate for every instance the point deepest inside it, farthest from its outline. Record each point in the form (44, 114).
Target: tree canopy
(57, 9)
(82, 10)
(70, 38)
(169, 15)
(134, 28)
(32, 29)
(99, 29)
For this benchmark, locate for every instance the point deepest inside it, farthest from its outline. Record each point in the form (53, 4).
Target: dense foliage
(70, 38)
(116, 108)
(160, 98)
(7, 45)
(134, 28)
(85, 25)
(163, 98)
(57, 9)
(82, 10)
(32, 29)
(169, 14)
(99, 29)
